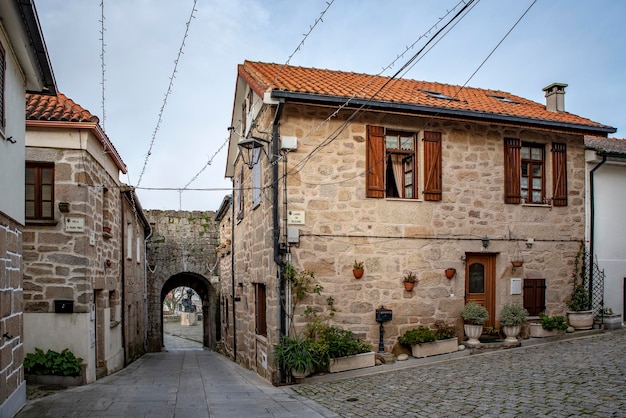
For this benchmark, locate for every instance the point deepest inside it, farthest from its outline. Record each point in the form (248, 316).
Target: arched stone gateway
(181, 252)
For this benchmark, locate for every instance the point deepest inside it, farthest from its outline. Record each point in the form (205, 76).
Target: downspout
(280, 276)
(123, 277)
(592, 221)
(145, 287)
(232, 269)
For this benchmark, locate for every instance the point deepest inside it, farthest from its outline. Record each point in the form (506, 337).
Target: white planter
(580, 319)
(357, 361)
(434, 348)
(473, 332)
(613, 321)
(300, 375)
(511, 333)
(537, 331)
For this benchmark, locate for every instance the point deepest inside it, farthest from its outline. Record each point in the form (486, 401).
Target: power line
(167, 93)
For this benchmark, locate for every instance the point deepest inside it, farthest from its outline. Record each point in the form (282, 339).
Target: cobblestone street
(580, 377)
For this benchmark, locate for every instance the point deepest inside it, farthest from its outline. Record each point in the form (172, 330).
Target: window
(535, 296)
(39, 189)
(259, 309)
(525, 173)
(3, 71)
(392, 163)
(239, 188)
(256, 177)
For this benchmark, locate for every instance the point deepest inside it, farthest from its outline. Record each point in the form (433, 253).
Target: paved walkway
(583, 376)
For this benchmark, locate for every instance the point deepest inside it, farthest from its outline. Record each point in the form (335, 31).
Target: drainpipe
(122, 276)
(145, 287)
(592, 221)
(232, 268)
(280, 276)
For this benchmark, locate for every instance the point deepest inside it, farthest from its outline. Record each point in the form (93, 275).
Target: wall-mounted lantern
(247, 147)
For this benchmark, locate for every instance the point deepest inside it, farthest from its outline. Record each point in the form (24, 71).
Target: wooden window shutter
(432, 165)
(535, 296)
(240, 194)
(512, 170)
(559, 174)
(3, 71)
(375, 180)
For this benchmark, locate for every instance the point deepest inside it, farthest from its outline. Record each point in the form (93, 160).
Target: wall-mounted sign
(74, 224)
(295, 217)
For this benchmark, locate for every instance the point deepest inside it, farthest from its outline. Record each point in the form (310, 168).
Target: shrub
(474, 313)
(342, 342)
(550, 323)
(52, 363)
(512, 315)
(443, 330)
(420, 335)
(295, 354)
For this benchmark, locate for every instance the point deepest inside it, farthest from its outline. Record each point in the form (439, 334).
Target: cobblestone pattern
(581, 377)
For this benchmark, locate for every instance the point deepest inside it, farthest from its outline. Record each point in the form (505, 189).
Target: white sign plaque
(295, 217)
(74, 224)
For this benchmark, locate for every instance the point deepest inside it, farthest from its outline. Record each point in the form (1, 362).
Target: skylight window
(437, 95)
(504, 99)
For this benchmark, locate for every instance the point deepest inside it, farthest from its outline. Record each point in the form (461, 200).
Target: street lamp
(247, 147)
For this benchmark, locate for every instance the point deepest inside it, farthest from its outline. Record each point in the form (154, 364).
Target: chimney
(555, 97)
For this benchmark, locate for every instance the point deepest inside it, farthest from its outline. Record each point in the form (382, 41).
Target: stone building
(24, 66)
(330, 167)
(84, 253)
(181, 252)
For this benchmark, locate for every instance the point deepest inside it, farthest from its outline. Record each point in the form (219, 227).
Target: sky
(581, 43)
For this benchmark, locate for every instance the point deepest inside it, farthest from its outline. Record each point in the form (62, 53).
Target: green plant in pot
(512, 316)
(551, 323)
(295, 354)
(579, 314)
(474, 316)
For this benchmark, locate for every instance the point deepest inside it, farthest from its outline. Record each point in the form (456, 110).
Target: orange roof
(60, 108)
(316, 85)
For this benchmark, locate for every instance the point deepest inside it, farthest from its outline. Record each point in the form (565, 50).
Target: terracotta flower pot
(358, 273)
(450, 272)
(408, 286)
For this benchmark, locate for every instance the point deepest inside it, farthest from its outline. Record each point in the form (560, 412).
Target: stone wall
(11, 318)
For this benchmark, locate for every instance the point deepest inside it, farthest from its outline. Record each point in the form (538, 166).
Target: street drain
(352, 399)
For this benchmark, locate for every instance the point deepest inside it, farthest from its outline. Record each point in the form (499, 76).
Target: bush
(550, 323)
(295, 354)
(52, 363)
(342, 342)
(512, 315)
(474, 313)
(420, 335)
(443, 330)
(580, 299)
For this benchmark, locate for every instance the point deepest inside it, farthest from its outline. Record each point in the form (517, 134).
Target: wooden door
(480, 280)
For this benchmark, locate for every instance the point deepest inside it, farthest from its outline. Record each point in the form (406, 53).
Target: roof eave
(443, 112)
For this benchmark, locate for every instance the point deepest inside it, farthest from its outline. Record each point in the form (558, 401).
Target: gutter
(441, 112)
(280, 273)
(592, 221)
(232, 268)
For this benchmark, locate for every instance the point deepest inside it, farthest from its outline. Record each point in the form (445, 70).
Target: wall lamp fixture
(485, 241)
(247, 149)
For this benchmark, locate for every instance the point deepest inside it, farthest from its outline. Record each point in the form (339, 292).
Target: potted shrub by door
(474, 316)
(409, 281)
(425, 342)
(357, 269)
(579, 315)
(512, 316)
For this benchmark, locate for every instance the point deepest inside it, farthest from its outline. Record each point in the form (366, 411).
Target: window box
(358, 361)
(537, 331)
(434, 348)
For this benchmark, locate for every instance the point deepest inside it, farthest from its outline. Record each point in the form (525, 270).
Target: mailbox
(63, 306)
(383, 314)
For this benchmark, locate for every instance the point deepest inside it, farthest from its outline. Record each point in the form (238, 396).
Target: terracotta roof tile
(467, 100)
(56, 108)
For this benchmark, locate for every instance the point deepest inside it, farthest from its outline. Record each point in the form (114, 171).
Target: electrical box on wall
(288, 142)
(293, 235)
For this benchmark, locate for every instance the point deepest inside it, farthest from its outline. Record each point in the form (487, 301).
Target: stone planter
(580, 319)
(511, 333)
(299, 375)
(612, 321)
(473, 332)
(358, 361)
(434, 348)
(537, 331)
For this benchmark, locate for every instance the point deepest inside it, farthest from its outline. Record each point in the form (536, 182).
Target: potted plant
(474, 317)
(357, 269)
(295, 355)
(426, 342)
(450, 272)
(409, 281)
(611, 320)
(512, 316)
(549, 326)
(579, 314)
(340, 350)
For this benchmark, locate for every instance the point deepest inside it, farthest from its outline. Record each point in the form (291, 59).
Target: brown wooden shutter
(535, 296)
(375, 180)
(512, 170)
(432, 165)
(559, 174)
(240, 194)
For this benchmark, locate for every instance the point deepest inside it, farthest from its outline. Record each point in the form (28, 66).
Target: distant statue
(188, 306)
